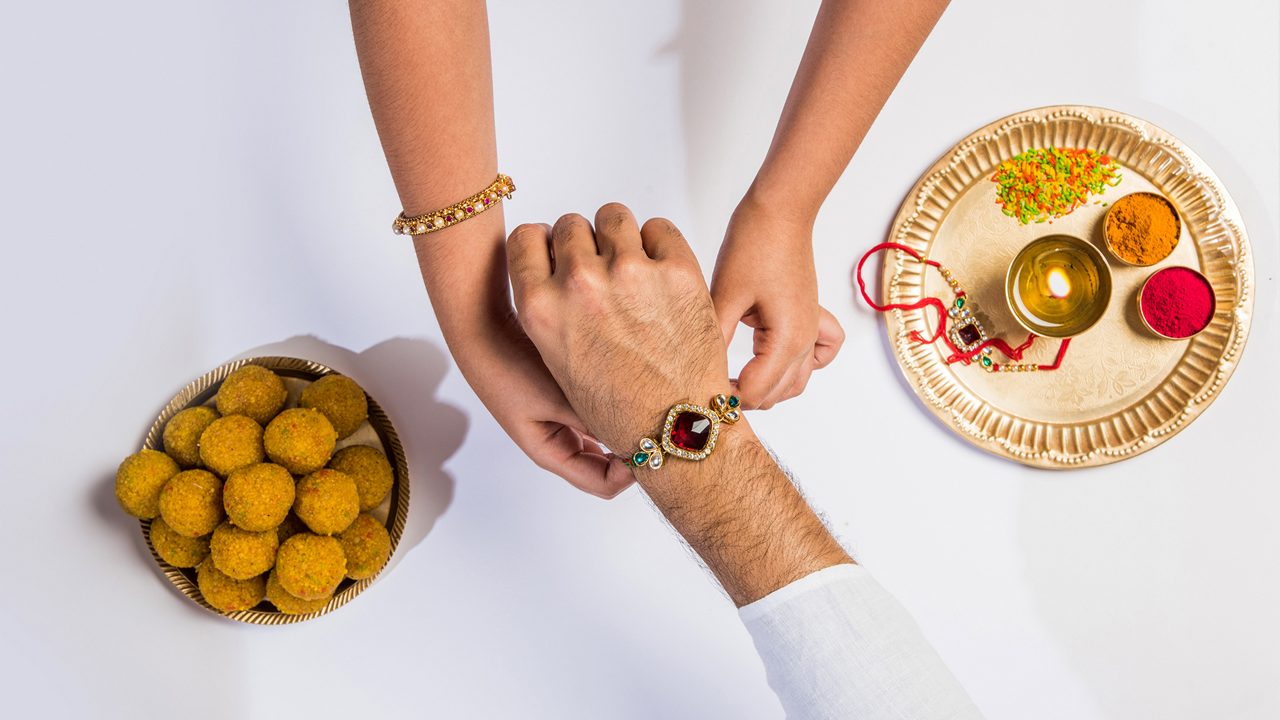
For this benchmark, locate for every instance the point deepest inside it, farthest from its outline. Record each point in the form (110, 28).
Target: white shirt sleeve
(837, 645)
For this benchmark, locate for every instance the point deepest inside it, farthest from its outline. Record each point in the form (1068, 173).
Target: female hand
(509, 377)
(464, 268)
(764, 278)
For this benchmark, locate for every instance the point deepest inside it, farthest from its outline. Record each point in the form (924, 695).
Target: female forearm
(857, 52)
(427, 73)
(429, 79)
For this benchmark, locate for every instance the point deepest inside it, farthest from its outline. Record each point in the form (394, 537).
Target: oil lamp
(1058, 286)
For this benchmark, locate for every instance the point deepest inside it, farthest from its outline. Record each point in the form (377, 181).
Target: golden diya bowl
(1058, 286)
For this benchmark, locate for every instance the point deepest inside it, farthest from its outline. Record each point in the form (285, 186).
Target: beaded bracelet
(690, 432)
(501, 188)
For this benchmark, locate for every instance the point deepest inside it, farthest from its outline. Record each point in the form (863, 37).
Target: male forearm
(857, 52)
(740, 512)
(427, 73)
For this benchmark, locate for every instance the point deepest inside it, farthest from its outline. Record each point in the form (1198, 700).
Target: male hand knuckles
(536, 311)
(527, 232)
(586, 288)
(629, 270)
(660, 225)
(612, 217)
(570, 227)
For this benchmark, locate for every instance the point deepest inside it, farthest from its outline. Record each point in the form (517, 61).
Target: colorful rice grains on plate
(234, 511)
(1041, 184)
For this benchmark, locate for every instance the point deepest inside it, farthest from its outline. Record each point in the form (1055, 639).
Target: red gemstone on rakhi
(690, 431)
(969, 334)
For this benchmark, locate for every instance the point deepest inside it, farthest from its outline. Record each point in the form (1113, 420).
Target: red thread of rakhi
(965, 346)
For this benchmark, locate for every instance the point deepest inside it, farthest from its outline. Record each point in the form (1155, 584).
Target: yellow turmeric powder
(1142, 228)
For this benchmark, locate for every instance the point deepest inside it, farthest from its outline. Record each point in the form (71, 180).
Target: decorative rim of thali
(923, 212)
(200, 390)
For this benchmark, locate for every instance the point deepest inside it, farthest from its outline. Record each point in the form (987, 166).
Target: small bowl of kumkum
(1176, 303)
(1141, 229)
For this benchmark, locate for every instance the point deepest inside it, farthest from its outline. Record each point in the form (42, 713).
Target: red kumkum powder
(1177, 302)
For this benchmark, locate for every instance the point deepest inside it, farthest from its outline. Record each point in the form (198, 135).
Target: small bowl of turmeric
(1141, 229)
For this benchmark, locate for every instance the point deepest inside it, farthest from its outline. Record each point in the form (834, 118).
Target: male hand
(621, 316)
(764, 278)
(464, 268)
(624, 322)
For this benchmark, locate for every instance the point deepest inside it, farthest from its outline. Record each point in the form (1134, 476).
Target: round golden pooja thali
(1121, 390)
(374, 432)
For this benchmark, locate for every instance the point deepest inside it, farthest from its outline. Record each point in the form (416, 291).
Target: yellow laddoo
(311, 566)
(367, 546)
(300, 439)
(228, 594)
(258, 497)
(371, 471)
(290, 527)
(252, 391)
(175, 549)
(182, 434)
(191, 503)
(140, 479)
(242, 554)
(288, 604)
(327, 501)
(230, 443)
(340, 399)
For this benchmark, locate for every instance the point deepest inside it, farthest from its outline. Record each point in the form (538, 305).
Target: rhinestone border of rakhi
(652, 453)
(500, 188)
(961, 313)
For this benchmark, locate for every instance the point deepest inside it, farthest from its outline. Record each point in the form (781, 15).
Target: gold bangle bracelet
(501, 188)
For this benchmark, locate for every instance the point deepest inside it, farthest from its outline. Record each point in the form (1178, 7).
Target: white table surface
(188, 183)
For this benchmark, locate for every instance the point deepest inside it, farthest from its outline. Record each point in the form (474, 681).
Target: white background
(185, 185)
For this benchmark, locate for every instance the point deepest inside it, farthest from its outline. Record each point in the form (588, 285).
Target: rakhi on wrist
(967, 338)
(689, 432)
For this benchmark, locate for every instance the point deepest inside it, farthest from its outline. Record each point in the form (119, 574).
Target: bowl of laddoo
(270, 490)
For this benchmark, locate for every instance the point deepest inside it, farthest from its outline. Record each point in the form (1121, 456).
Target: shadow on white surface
(402, 375)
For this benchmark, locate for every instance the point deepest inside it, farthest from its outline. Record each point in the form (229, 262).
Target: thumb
(763, 374)
(830, 338)
(729, 311)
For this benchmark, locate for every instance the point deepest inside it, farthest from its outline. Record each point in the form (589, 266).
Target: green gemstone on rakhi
(734, 401)
(986, 361)
(960, 302)
(640, 458)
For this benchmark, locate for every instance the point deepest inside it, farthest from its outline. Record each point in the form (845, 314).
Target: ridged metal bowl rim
(199, 391)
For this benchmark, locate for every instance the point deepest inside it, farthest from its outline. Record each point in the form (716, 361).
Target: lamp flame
(1059, 285)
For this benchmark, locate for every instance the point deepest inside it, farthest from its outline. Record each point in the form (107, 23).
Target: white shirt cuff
(837, 645)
